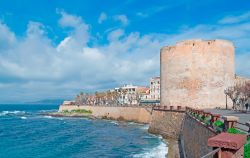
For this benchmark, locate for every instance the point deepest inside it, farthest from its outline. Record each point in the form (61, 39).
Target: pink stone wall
(195, 73)
(135, 114)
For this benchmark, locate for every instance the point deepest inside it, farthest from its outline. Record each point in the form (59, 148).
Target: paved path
(243, 117)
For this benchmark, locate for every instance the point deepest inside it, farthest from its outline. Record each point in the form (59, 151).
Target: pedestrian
(246, 105)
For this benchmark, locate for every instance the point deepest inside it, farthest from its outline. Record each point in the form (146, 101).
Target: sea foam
(15, 112)
(160, 152)
(48, 117)
(23, 117)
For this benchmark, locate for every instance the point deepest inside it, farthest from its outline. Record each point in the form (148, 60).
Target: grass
(78, 111)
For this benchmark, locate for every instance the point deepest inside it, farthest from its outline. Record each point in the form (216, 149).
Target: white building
(131, 95)
(155, 88)
(128, 94)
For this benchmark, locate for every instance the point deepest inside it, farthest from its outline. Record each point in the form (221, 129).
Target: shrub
(207, 120)
(65, 111)
(247, 150)
(235, 131)
(82, 111)
(246, 146)
(218, 126)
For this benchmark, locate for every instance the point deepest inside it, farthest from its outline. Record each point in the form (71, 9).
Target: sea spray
(159, 151)
(14, 112)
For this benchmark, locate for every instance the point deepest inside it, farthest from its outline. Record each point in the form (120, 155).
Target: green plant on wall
(218, 126)
(246, 146)
(235, 131)
(78, 111)
(247, 150)
(207, 120)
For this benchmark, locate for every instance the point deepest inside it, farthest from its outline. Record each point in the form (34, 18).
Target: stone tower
(195, 73)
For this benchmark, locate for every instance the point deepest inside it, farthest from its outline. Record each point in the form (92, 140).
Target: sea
(26, 133)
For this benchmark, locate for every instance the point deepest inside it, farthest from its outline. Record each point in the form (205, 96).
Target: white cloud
(7, 38)
(69, 20)
(115, 35)
(33, 67)
(103, 16)
(80, 29)
(33, 61)
(122, 18)
(152, 11)
(235, 19)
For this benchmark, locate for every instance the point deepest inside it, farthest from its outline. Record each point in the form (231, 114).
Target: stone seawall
(135, 114)
(168, 124)
(194, 136)
(186, 136)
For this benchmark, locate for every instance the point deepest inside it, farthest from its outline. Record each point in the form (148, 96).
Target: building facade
(155, 88)
(127, 94)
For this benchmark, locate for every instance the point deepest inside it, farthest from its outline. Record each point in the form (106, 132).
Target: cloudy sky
(55, 49)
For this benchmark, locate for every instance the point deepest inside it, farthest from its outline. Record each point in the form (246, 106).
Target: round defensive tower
(195, 73)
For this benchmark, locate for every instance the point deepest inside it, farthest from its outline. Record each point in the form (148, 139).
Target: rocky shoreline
(73, 115)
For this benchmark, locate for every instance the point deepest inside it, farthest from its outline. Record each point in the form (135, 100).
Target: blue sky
(54, 49)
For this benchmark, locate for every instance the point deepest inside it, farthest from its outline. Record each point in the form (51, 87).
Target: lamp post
(226, 98)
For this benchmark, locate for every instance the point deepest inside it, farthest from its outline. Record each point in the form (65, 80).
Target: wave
(51, 117)
(144, 127)
(15, 112)
(48, 111)
(160, 152)
(114, 122)
(23, 117)
(48, 117)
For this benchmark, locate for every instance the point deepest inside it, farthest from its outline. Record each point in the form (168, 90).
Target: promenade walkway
(243, 117)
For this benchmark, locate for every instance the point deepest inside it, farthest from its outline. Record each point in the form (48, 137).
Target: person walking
(246, 105)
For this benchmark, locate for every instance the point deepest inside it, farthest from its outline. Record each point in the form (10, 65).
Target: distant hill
(48, 101)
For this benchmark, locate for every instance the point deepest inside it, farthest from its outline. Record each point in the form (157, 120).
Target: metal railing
(242, 127)
(212, 153)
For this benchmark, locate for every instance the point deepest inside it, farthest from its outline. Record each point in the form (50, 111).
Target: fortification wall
(135, 114)
(195, 136)
(168, 125)
(195, 73)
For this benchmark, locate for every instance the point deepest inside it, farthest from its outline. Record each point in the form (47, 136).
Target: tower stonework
(195, 73)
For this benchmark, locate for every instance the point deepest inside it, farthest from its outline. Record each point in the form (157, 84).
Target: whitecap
(160, 152)
(23, 117)
(144, 127)
(15, 112)
(114, 122)
(48, 117)
(51, 117)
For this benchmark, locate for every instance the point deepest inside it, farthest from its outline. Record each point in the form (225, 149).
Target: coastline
(159, 151)
(81, 132)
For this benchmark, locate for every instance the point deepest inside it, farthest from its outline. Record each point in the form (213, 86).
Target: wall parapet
(217, 122)
(229, 138)
(170, 108)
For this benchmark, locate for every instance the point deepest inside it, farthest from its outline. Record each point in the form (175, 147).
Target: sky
(55, 49)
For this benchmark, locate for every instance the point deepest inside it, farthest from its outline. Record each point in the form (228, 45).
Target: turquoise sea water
(25, 133)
